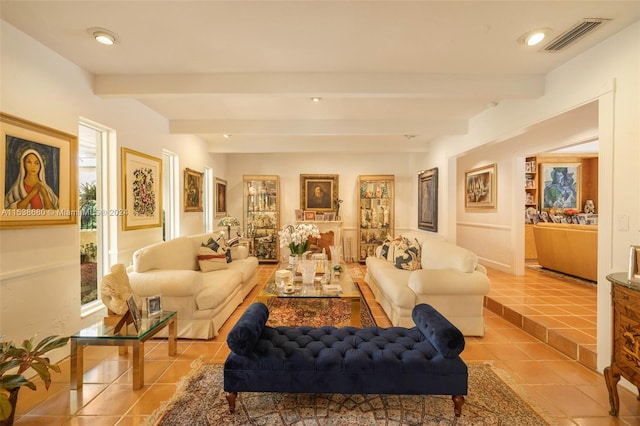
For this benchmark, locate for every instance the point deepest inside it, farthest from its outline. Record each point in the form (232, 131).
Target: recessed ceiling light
(226, 136)
(534, 37)
(102, 35)
(316, 99)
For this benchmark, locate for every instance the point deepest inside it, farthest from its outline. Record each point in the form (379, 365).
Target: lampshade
(229, 221)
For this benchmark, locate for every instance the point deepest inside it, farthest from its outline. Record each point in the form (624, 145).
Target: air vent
(574, 34)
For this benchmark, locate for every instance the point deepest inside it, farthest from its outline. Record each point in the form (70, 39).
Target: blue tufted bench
(423, 360)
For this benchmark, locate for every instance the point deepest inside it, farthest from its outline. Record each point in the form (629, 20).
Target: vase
(13, 400)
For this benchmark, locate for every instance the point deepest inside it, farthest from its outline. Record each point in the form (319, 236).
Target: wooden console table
(102, 334)
(625, 354)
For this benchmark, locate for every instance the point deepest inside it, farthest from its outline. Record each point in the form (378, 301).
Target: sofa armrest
(167, 282)
(443, 335)
(448, 281)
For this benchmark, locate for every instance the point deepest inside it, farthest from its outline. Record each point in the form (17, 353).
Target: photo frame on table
(299, 215)
(154, 306)
(561, 185)
(634, 264)
(221, 197)
(318, 192)
(480, 188)
(309, 215)
(193, 182)
(141, 190)
(131, 316)
(428, 200)
(55, 154)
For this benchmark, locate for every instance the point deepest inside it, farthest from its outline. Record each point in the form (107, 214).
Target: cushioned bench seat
(423, 360)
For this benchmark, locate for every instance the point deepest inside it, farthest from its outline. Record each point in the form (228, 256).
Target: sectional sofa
(433, 271)
(203, 300)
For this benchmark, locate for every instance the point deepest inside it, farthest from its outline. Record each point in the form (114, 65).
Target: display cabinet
(262, 216)
(531, 182)
(376, 212)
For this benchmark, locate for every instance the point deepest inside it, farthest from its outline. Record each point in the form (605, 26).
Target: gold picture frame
(428, 200)
(634, 264)
(55, 153)
(141, 190)
(221, 198)
(480, 187)
(318, 192)
(193, 190)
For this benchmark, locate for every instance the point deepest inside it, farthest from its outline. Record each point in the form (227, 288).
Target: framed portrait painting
(221, 198)
(141, 190)
(39, 175)
(561, 185)
(428, 200)
(192, 190)
(480, 188)
(318, 192)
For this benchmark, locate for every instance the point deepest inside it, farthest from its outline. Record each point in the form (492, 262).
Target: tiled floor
(568, 391)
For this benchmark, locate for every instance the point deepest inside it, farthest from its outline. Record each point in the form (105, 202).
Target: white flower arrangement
(297, 237)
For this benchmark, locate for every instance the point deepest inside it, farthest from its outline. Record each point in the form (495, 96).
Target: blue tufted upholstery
(396, 360)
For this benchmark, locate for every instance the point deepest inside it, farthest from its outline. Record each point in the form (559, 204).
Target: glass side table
(102, 334)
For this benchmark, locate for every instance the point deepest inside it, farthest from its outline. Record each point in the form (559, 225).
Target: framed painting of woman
(39, 174)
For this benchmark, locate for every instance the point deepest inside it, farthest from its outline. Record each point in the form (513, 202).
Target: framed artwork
(561, 185)
(299, 215)
(154, 306)
(135, 313)
(480, 188)
(141, 190)
(330, 216)
(221, 198)
(309, 215)
(39, 175)
(428, 200)
(318, 192)
(634, 264)
(192, 190)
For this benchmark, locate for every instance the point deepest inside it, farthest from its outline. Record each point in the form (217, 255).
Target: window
(207, 199)
(170, 196)
(91, 143)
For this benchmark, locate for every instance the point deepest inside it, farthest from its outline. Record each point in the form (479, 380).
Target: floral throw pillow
(407, 255)
(389, 248)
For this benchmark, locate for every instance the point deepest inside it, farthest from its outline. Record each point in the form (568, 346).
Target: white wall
(607, 75)
(39, 267)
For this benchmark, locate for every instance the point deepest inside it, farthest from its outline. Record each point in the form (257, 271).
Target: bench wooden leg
(458, 400)
(231, 398)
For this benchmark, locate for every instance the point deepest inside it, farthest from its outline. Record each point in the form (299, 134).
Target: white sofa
(450, 279)
(203, 300)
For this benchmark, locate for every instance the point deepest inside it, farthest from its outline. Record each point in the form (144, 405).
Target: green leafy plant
(88, 251)
(25, 357)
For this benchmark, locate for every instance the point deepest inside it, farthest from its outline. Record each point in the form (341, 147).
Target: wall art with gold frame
(480, 188)
(193, 181)
(141, 190)
(318, 192)
(39, 175)
(428, 200)
(221, 198)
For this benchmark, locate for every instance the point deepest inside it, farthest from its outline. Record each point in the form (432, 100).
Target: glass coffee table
(338, 287)
(102, 334)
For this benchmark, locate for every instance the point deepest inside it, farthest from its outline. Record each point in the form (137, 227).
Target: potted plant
(21, 359)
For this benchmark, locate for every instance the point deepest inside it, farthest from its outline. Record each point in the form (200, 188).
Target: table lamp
(229, 221)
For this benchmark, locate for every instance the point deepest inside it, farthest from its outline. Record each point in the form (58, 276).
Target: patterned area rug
(294, 312)
(200, 401)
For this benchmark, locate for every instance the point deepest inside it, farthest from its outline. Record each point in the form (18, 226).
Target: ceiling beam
(392, 85)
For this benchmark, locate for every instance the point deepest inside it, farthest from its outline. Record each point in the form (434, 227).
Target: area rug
(200, 401)
(293, 312)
